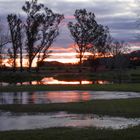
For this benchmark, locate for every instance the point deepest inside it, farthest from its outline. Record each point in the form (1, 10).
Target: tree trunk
(1, 61)
(21, 63)
(80, 64)
(29, 69)
(14, 63)
(37, 69)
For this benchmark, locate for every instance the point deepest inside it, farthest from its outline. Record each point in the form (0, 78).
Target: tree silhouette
(120, 60)
(118, 48)
(103, 45)
(4, 40)
(41, 28)
(15, 26)
(49, 31)
(86, 32)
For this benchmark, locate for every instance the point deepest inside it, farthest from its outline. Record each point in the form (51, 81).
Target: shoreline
(93, 87)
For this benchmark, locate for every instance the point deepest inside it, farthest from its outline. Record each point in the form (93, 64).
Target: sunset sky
(119, 15)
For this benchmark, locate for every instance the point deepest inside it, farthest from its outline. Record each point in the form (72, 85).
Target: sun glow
(68, 56)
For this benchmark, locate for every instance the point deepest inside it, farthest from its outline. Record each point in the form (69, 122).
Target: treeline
(34, 34)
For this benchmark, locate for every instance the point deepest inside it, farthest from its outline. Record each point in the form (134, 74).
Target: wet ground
(45, 97)
(22, 121)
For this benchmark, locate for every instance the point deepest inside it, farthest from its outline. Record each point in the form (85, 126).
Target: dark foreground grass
(121, 107)
(95, 87)
(73, 134)
(17, 77)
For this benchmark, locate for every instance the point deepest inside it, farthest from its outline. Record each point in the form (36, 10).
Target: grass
(122, 107)
(94, 87)
(14, 77)
(70, 73)
(73, 134)
(127, 75)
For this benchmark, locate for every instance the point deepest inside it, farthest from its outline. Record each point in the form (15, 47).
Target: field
(73, 134)
(128, 108)
(121, 107)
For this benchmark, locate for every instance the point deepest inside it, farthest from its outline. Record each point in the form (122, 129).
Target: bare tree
(4, 40)
(21, 52)
(86, 32)
(103, 45)
(120, 60)
(15, 23)
(49, 31)
(118, 51)
(41, 27)
(20, 42)
(118, 48)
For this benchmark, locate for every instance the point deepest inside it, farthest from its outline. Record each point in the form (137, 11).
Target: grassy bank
(73, 134)
(123, 107)
(94, 87)
(17, 77)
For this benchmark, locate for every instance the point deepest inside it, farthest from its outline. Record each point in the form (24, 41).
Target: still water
(44, 97)
(53, 81)
(23, 121)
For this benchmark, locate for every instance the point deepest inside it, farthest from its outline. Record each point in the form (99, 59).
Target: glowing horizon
(62, 55)
(59, 57)
(65, 57)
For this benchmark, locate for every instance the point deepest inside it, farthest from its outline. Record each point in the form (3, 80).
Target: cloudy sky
(119, 15)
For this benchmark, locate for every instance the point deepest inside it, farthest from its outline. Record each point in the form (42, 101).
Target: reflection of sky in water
(44, 97)
(22, 121)
(53, 81)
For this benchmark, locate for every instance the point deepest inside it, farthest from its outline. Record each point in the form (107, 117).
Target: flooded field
(53, 81)
(22, 121)
(44, 97)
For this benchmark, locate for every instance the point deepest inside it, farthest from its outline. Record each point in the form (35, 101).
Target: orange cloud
(60, 54)
(62, 49)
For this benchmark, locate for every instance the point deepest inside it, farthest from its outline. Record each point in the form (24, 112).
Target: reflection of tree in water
(80, 82)
(16, 98)
(21, 97)
(2, 99)
(44, 100)
(31, 97)
(30, 82)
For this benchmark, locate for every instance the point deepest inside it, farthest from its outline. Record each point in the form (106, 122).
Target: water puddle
(9, 121)
(44, 97)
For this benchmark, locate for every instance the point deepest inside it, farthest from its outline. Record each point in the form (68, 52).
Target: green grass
(73, 134)
(94, 87)
(121, 107)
